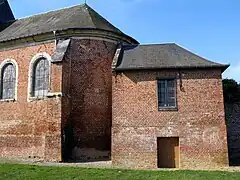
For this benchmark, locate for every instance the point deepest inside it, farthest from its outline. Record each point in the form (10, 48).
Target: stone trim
(30, 75)
(116, 57)
(68, 33)
(54, 94)
(23, 45)
(14, 63)
(95, 38)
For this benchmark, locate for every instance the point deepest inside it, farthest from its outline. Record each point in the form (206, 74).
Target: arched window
(40, 77)
(8, 81)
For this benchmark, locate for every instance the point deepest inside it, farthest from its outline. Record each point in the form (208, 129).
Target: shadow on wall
(89, 155)
(232, 112)
(85, 151)
(147, 75)
(67, 142)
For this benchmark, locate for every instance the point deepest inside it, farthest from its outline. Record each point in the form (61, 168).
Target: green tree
(231, 91)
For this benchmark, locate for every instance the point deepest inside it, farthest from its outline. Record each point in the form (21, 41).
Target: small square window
(167, 94)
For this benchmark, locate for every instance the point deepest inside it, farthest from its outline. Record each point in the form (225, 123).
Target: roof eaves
(222, 67)
(65, 29)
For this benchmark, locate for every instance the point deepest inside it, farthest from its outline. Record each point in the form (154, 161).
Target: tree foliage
(231, 91)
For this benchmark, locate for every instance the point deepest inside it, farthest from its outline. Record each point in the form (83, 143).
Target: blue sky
(209, 28)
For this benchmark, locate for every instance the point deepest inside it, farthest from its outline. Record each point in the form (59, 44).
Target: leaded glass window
(40, 78)
(8, 81)
(166, 93)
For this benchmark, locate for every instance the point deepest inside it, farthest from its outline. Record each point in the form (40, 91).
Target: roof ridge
(157, 44)
(91, 10)
(60, 9)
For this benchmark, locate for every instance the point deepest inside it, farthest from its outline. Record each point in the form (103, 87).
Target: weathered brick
(24, 125)
(89, 89)
(97, 102)
(199, 121)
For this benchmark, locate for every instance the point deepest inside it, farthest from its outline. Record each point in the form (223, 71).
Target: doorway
(168, 152)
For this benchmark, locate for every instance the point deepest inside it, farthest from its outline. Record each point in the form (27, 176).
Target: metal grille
(8, 82)
(166, 93)
(41, 78)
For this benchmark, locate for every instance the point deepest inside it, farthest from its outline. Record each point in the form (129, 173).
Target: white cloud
(233, 72)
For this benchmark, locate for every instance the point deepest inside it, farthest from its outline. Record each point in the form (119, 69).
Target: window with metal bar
(8, 81)
(40, 80)
(166, 93)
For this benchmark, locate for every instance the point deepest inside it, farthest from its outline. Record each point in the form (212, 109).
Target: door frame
(179, 153)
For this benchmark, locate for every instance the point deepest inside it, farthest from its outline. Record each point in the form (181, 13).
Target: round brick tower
(87, 122)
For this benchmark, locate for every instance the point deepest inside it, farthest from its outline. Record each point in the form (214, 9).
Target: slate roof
(161, 56)
(60, 51)
(80, 17)
(6, 14)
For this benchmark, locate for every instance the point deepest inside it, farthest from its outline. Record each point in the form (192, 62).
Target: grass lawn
(24, 172)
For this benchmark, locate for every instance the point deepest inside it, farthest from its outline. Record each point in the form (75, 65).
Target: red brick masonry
(95, 99)
(31, 129)
(34, 129)
(199, 121)
(90, 97)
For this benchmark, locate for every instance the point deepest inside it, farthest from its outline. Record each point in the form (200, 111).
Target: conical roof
(6, 14)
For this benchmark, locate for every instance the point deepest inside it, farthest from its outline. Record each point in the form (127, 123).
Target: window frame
(43, 89)
(31, 75)
(2, 67)
(167, 108)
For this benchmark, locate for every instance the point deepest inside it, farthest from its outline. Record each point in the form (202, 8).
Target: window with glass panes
(8, 81)
(166, 93)
(40, 78)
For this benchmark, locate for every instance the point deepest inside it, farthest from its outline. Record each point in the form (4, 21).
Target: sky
(209, 28)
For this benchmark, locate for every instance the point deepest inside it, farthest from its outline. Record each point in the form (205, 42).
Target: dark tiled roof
(60, 51)
(80, 17)
(6, 14)
(161, 56)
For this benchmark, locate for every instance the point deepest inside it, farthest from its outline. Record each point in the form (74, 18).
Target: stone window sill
(48, 96)
(7, 100)
(37, 98)
(167, 109)
(55, 94)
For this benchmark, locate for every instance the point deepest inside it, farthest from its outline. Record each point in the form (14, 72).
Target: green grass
(24, 172)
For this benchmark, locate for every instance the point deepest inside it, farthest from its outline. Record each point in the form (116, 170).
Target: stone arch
(3, 65)
(31, 75)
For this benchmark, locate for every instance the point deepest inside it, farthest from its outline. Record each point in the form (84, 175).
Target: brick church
(75, 88)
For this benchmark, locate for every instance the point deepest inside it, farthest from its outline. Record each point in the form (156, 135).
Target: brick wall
(89, 95)
(31, 129)
(199, 122)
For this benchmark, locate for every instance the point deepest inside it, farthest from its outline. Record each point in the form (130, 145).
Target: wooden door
(168, 152)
